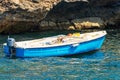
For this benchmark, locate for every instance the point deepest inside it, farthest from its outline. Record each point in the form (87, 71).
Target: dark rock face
(36, 1)
(28, 15)
(94, 12)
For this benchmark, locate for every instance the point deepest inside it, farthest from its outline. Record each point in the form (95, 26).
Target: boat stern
(6, 49)
(19, 52)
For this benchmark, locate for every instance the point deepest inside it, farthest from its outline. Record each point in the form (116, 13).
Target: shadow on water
(96, 54)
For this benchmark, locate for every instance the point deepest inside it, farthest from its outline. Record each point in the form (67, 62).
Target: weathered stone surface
(50, 25)
(90, 22)
(103, 2)
(25, 11)
(28, 15)
(105, 12)
(47, 25)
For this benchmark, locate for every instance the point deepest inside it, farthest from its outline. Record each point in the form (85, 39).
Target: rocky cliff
(30, 15)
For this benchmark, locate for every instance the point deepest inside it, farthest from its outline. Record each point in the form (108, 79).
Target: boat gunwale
(63, 44)
(59, 45)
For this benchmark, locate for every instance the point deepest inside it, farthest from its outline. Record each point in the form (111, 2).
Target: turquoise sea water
(100, 65)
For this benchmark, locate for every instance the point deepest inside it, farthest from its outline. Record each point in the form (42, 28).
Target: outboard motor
(11, 45)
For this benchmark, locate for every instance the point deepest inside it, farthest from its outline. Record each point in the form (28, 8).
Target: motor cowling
(11, 47)
(11, 42)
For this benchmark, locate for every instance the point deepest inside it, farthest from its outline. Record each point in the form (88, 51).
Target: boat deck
(60, 40)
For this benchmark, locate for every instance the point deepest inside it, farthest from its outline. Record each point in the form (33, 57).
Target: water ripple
(99, 65)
